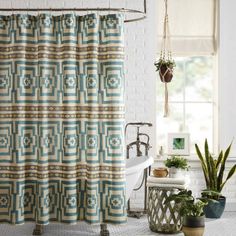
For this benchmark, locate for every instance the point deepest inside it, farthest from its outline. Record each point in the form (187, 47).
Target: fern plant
(177, 162)
(214, 168)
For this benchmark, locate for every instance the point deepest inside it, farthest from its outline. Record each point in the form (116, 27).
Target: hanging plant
(165, 64)
(165, 68)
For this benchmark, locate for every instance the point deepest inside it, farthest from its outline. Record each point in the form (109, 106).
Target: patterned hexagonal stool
(163, 218)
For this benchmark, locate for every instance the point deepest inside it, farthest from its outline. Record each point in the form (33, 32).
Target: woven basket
(163, 218)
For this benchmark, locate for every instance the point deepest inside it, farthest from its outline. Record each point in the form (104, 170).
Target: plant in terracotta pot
(214, 170)
(191, 209)
(177, 166)
(165, 68)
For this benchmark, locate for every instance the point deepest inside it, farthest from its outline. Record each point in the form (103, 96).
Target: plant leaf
(230, 174)
(213, 172)
(203, 164)
(222, 168)
(219, 159)
(211, 192)
(208, 164)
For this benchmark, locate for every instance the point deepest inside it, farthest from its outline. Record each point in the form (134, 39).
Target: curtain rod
(123, 10)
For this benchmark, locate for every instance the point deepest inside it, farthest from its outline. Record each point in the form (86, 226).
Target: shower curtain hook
(82, 6)
(50, 12)
(63, 12)
(109, 2)
(97, 12)
(12, 9)
(63, 9)
(38, 14)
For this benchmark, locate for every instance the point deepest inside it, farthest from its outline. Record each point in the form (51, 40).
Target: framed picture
(178, 144)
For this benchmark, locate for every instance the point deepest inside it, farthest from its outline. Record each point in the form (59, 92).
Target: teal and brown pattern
(61, 119)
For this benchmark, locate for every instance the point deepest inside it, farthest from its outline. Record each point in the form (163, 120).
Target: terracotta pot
(193, 226)
(160, 172)
(166, 73)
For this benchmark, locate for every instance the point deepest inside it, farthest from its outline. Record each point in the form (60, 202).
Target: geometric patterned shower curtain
(61, 119)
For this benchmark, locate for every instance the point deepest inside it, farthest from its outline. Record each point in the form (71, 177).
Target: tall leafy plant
(214, 168)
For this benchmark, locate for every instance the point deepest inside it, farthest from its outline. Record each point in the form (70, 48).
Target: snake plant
(213, 168)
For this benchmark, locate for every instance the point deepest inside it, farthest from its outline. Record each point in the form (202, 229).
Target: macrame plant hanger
(165, 60)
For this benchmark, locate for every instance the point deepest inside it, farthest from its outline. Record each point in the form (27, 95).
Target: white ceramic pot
(176, 173)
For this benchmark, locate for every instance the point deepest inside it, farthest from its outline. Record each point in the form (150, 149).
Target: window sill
(192, 159)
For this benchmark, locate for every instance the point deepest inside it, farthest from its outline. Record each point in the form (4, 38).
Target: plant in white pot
(177, 166)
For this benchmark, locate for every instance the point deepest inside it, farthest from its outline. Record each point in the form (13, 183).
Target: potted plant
(177, 166)
(165, 68)
(191, 210)
(213, 170)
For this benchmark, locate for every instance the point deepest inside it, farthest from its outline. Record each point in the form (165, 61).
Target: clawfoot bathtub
(134, 169)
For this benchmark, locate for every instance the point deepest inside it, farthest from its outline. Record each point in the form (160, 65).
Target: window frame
(214, 102)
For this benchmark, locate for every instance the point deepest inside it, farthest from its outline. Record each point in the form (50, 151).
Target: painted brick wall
(141, 46)
(140, 43)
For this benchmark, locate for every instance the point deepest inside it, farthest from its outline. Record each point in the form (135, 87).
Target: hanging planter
(165, 64)
(165, 68)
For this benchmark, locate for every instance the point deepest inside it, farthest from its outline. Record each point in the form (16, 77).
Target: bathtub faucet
(137, 142)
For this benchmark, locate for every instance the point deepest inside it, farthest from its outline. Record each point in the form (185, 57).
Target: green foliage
(213, 169)
(177, 162)
(163, 62)
(188, 205)
(210, 194)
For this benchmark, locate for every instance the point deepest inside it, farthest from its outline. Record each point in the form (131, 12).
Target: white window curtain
(192, 26)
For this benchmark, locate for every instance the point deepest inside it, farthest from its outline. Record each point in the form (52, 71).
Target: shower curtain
(61, 119)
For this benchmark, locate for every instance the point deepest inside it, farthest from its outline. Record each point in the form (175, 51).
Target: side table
(163, 217)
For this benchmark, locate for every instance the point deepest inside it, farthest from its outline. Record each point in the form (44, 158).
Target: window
(191, 102)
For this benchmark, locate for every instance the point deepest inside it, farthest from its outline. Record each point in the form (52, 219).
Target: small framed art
(178, 144)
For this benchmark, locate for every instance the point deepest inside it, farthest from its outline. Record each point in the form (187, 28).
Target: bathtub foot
(38, 230)
(104, 231)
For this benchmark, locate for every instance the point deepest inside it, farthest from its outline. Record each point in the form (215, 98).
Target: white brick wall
(197, 183)
(140, 43)
(140, 48)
